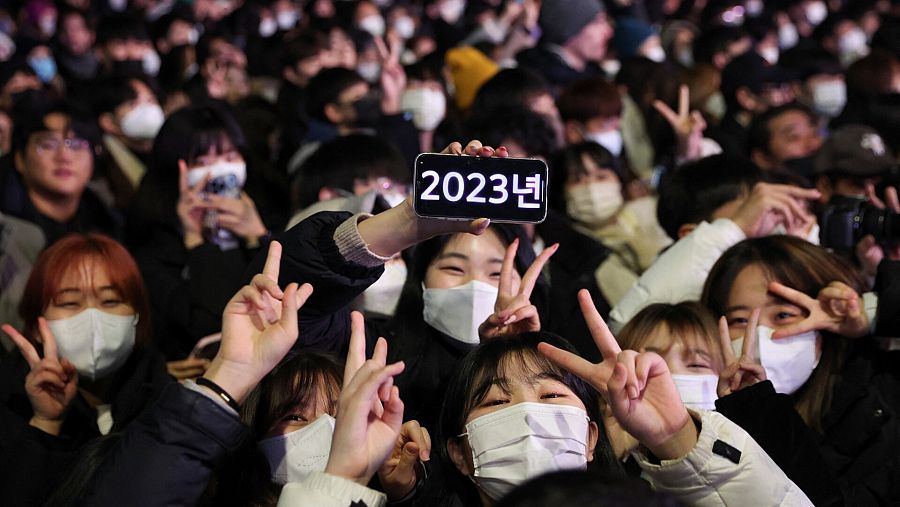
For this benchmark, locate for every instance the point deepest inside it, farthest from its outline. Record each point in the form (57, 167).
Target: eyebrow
(452, 255)
(69, 290)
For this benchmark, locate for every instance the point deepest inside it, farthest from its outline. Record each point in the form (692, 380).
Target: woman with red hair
(86, 366)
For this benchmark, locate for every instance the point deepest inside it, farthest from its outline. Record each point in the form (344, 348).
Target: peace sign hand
(51, 384)
(393, 77)
(191, 206)
(688, 125)
(837, 309)
(638, 387)
(513, 311)
(744, 371)
(259, 326)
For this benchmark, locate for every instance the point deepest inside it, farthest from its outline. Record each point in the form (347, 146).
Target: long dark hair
(807, 268)
(409, 327)
(483, 367)
(245, 479)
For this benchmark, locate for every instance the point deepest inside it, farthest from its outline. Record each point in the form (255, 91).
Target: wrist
(233, 378)
(192, 240)
(338, 470)
(681, 443)
(390, 106)
(47, 425)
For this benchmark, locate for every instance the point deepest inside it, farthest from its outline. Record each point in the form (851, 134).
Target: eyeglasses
(52, 144)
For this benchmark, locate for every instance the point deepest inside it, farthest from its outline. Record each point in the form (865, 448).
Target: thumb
(406, 469)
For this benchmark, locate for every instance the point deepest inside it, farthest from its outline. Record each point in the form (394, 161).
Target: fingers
(291, 305)
(666, 112)
(576, 364)
(534, 271)
(604, 339)
(873, 196)
(750, 348)
(477, 227)
(454, 148)
(619, 399)
(627, 358)
(409, 457)
(893, 201)
(684, 101)
(419, 435)
(506, 271)
(725, 340)
(24, 346)
(380, 353)
(792, 295)
(473, 147)
(182, 177)
(273, 261)
(755, 371)
(303, 294)
(263, 283)
(393, 408)
(356, 354)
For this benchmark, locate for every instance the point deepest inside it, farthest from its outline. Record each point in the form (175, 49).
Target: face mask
(193, 36)
(225, 178)
(656, 54)
(594, 203)
(754, 7)
(788, 36)
(97, 343)
(143, 122)
(151, 63)
(369, 71)
(452, 10)
(457, 312)
(393, 198)
(44, 67)
(804, 166)
(830, 97)
(299, 453)
(267, 27)
(697, 391)
(769, 54)
(788, 361)
(715, 105)
(405, 27)
(367, 111)
(427, 106)
(372, 24)
(514, 444)
(852, 46)
(816, 12)
(611, 140)
(382, 296)
(685, 56)
(287, 19)
(47, 26)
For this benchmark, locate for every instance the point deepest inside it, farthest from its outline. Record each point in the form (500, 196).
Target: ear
(327, 194)
(593, 438)
(332, 114)
(456, 448)
(746, 99)
(761, 160)
(686, 229)
(823, 185)
(20, 162)
(573, 132)
(108, 124)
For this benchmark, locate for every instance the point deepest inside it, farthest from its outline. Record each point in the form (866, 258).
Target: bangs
(215, 140)
(514, 364)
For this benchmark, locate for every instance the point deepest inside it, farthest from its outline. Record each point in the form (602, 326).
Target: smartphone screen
(466, 188)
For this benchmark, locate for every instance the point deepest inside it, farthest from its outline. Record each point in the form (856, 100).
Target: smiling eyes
(496, 402)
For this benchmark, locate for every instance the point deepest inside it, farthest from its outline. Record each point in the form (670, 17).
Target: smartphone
(458, 187)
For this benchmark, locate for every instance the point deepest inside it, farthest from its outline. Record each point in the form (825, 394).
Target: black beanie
(560, 20)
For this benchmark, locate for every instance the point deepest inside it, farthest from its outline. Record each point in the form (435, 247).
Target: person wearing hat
(635, 38)
(574, 38)
(854, 157)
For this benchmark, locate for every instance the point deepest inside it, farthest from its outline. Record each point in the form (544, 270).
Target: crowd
(215, 290)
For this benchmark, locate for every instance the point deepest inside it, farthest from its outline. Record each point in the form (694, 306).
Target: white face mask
(655, 54)
(369, 71)
(754, 7)
(373, 24)
(594, 203)
(769, 54)
(295, 455)
(830, 97)
(715, 105)
(267, 27)
(382, 296)
(697, 391)
(452, 10)
(812, 236)
(143, 122)
(405, 27)
(287, 19)
(226, 177)
(427, 106)
(611, 140)
(457, 312)
(97, 343)
(514, 444)
(151, 63)
(816, 12)
(853, 46)
(788, 36)
(788, 361)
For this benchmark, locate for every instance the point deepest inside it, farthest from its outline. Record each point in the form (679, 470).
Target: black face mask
(367, 111)
(802, 166)
(127, 68)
